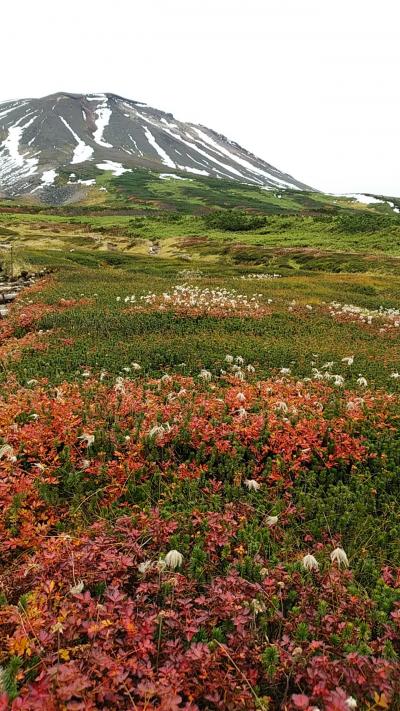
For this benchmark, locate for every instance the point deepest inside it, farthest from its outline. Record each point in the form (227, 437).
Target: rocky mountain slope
(64, 133)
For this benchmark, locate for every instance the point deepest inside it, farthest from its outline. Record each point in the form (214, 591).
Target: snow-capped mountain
(40, 137)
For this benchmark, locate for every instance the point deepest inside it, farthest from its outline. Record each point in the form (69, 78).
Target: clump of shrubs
(365, 222)
(234, 221)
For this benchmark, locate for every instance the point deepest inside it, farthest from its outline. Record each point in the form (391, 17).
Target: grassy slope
(318, 259)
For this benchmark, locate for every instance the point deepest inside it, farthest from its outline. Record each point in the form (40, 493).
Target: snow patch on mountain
(135, 144)
(364, 199)
(48, 177)
(15, 165)
(13, 108)
(96, 97)
(163, 155)
(103, 113)
(209, 157)
(393, 206)
(241, 161)
(82, 151)
(171, 176)
(195, 171)
(91, 181)
(115, 168)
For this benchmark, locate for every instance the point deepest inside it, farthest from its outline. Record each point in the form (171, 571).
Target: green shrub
(365, 222)
(233, 221)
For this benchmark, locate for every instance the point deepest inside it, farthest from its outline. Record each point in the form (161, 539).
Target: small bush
(233, 221)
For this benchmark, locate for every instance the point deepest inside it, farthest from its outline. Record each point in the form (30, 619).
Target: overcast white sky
(311, 86)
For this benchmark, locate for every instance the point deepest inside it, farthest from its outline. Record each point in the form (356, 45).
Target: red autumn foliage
(93, 630)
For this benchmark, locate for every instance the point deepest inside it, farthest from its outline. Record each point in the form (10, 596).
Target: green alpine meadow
(200, 450)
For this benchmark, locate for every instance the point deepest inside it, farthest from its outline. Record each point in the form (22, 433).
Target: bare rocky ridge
(71, 132)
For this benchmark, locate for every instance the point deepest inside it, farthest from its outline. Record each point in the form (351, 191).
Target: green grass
(352, 256)
(106, 336)
(97, 257)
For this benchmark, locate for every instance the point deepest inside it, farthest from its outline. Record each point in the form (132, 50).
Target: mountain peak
(40, 137)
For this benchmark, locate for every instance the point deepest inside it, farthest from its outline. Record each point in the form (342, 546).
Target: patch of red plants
(97, 622)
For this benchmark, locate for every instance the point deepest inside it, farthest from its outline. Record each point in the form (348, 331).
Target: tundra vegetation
(200, 452)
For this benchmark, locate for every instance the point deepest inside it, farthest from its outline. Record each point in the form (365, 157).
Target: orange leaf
(382, 702)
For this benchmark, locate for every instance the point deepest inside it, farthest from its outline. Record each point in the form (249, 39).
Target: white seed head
(339, 555)
(271, 520)
(157, 431)
(310, 563)
(88, 439)
(205, 375)
(362, 382)
(252, 484)
(119, 386)
(239, 375)
(144, 566)
(257, 606)
(78, 588)
(349, 360)
(6, 451)
(173, 559)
